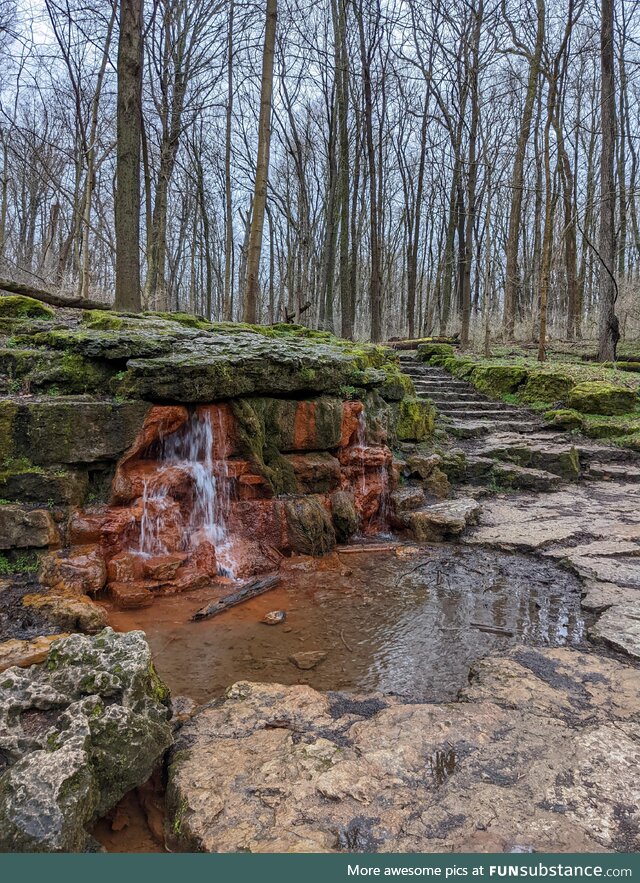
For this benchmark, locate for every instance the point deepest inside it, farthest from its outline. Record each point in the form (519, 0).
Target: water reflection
(411, 625)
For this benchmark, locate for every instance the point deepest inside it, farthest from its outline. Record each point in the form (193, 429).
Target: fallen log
(48, 297)
(248, 591)
(412, 344)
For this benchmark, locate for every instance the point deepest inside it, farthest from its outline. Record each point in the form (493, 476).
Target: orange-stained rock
(162, 567)
(225, 431)
(81, 571)
(304, 427)
(263, 521)
(129, 596)
(125, 567)
(186, 579)
(131, 480)
(85, 526)
(160, 421)
(316, 473)
(350, 422)
(203, 555)
(366, 457)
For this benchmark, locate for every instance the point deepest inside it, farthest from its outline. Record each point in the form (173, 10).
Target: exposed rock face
(540, 755)
(76, 733)
(22, 528)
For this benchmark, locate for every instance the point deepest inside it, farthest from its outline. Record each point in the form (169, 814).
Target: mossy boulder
(61, 430)
(634, 367)
(546, 386)
(564, 418)
(34, 370)
(416, 418)
(310, 529)
(77, 732)
(460, 367)
(344, 515)
(396, 385)
(426, 351)
(599, 397)
(498, 380)
(17, 306)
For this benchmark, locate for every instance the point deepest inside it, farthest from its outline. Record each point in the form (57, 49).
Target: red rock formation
(154, 495)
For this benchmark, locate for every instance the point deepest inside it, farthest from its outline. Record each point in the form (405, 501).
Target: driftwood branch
(290, 317)
(251, 590)
(48, 297)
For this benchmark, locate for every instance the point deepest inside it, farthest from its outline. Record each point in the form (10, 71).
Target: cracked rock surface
(540, 753)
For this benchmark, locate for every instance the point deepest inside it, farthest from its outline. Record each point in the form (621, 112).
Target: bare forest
(378, 168)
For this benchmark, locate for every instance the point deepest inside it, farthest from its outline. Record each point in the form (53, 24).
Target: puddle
(409, 623)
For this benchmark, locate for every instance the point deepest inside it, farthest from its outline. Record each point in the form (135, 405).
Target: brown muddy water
(408, 620)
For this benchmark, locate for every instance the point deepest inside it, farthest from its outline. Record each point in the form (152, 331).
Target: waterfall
(363, 451)
(191, 449)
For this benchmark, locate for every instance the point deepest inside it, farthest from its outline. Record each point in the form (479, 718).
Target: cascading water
(191, 450)
(380, 473)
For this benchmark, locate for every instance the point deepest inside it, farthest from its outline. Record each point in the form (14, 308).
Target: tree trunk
(262, 167)
(608, 323)
(227, 301)
(129, 112)
(512, 279)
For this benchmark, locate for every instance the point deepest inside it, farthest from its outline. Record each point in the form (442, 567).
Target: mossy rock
(17, 306)
(631, 440)
(546, 386)
(102, 320)
(623, 366)
(8, 413)
(599, 397)
(416, 418)
(426, 351)
(344, 515)
(460, 367)
(396, 385)
(565, 418)
(498, 380)
(69, 430)
(309, 525)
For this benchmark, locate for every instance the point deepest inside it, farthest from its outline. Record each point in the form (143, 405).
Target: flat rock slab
(540, 756)
(433, 523)
(598, 596)
(619, 627)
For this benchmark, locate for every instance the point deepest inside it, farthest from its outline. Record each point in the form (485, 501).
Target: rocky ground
(540, 752)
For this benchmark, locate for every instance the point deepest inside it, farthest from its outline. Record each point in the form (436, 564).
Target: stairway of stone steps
(510, 446)
(468, 413)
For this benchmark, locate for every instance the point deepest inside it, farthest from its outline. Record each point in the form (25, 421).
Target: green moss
(102, 320)
(8, 413)
(426, 351)
(565, 418)
(634, 367)
(396, 385)
(599, 397)
(159, 690)
(546, 386)
(416, 419)
(17, 306)
(495, 380)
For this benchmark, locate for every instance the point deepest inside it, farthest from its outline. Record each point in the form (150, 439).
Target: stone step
(434, 523)
(479, 405)
(453, 396)
(472, 414)
(480, 428)
(613, 472)
(509, 475)
(451, 386)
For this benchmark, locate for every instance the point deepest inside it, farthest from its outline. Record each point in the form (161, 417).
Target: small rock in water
(308, 660)
(274, 617)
